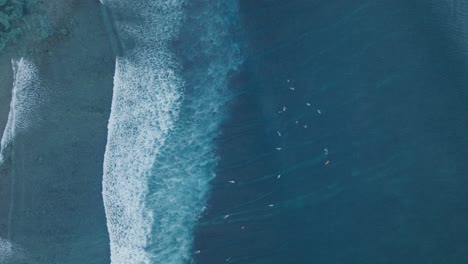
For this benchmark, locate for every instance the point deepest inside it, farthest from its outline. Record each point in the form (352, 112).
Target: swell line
(160, 155)
(147, 93)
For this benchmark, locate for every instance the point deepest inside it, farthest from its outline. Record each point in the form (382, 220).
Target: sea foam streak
(25, 101)
(12, 254)
(25, 98)
(160, 154)
(145, 105)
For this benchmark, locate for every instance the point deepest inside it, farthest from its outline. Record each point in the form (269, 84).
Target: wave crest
(165, 116)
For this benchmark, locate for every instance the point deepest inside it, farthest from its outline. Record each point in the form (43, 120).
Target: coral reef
(21, 18)
(11, 14)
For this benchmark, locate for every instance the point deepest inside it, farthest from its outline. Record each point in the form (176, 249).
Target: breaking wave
(165, 116)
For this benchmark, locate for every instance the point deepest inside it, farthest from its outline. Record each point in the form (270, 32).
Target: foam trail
(160, 154)
(12, 254)
(147, 94)
(25, 98)
(6, 250)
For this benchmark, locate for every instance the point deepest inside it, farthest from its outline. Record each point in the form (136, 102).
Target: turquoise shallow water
(53, 148)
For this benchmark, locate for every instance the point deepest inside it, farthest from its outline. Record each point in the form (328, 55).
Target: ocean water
(170, 88)
(240, 131)
(52, 149)
(348, 144)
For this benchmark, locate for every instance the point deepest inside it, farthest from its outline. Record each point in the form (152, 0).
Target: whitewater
(25, 99)
(25, 93)
(165, 116)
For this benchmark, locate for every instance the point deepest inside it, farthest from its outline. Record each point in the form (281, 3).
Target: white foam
(147, 94)
(6, 249)
(24, 100)
(160, 156)
(11, 253)
(143, 111)
(7, 252)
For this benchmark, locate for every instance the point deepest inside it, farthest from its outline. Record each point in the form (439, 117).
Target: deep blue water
(388, 79)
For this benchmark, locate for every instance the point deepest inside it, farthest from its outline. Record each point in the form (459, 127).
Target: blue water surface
(370, 100)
